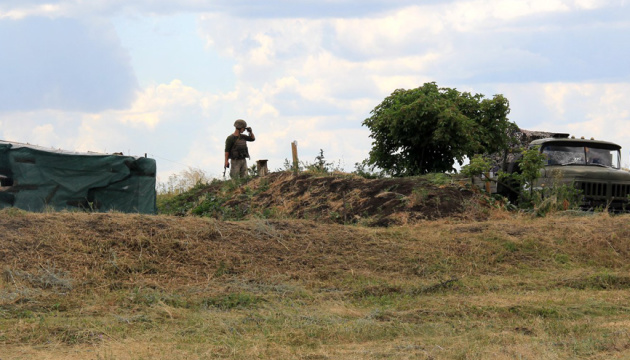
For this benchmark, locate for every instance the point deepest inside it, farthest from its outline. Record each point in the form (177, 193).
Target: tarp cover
(36, 179)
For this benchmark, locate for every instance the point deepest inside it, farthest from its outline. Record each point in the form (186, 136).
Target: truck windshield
(581, 155)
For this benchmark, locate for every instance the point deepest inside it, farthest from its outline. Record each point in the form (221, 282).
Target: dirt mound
(343, 199)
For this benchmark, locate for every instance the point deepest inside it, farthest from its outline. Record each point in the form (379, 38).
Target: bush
(364, 170)
(182, 182)
(478, 166)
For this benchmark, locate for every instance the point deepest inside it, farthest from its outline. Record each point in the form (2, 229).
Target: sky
(169, 78)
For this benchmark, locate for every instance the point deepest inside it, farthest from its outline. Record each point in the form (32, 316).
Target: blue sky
(168, 78)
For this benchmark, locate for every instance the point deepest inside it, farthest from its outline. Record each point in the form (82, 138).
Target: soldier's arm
(228, 147)
(251, 134)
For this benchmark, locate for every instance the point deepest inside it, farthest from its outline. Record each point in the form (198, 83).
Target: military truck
(592, 166)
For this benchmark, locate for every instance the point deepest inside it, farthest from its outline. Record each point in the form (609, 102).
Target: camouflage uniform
(236, 146)
(236, 149)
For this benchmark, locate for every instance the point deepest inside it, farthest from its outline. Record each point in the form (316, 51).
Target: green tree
(478, 166)
(530, 164)
(427, 129)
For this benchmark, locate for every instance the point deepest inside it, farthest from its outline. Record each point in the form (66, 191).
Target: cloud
(463, 43)
(164, 120)
(465, 12)
(308, 71)
(238, 8)
(154, 102)
(45, 133)
(323, 76)
(48, 128)
(596, 110)
(63, 64)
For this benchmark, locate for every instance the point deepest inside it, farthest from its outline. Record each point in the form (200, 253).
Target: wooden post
(487, 182)
(262, 167)
(295, 157)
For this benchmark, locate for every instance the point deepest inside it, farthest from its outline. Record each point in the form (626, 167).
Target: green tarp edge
(37, 180)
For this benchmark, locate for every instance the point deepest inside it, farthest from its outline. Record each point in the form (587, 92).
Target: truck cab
(592, 166)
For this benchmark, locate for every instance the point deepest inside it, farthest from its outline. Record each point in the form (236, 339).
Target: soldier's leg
(244, 168)
(234, 171)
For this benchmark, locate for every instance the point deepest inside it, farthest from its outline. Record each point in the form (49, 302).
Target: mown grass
(563, 324)
(190, 288)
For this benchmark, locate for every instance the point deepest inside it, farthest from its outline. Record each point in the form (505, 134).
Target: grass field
(117, 286)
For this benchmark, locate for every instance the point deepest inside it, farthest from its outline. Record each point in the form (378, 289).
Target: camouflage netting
(34, 179)
(522, 139)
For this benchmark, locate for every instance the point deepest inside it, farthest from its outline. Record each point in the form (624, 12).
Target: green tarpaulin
(35, 179)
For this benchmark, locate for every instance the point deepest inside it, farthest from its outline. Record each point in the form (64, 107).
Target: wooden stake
(295, 157)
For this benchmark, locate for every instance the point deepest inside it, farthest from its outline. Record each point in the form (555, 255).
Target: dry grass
(115, 286)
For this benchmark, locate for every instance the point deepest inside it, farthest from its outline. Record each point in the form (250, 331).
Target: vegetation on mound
(118, 286)
(338, 198)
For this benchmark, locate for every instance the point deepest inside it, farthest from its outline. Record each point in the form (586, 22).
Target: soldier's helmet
(240, 124)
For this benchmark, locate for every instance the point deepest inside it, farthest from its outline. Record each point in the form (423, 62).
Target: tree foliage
(427, 129)
(530, 164)
(479, 165)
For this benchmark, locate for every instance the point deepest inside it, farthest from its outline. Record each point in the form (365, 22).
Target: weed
(602, 281)
(263, 185)
(182, 182)
(438, 179)
(364, 170)
(107, 355)
(419, 196)
(534, 311)
(209, 205)
(232, 301)
(562, 258)
(13, 212)
(320, 166)
(223, 269)
(46, 277)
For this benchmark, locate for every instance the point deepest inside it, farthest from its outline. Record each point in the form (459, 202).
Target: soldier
(236, 149)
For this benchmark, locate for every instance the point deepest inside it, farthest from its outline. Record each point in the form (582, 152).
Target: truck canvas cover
(35, 179)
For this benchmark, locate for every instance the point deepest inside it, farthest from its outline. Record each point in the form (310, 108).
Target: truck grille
(595, 189)
(620, 190)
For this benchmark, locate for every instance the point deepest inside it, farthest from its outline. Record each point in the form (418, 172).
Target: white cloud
(332, 58)
(471, 15)
(315, 78)
(596, 110)
(45, 133)
(296, 65)
(594, 4)
(263, 54)
(27, 10)
(150, 105)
